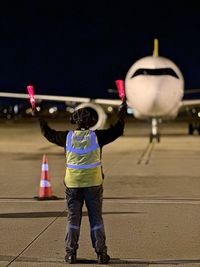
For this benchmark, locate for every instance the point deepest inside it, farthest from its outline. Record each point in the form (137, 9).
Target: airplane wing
(47, 97)
(82, 102)
(113, 102)
(190, 103)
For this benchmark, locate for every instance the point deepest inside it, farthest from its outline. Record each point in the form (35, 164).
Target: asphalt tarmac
(151, 203)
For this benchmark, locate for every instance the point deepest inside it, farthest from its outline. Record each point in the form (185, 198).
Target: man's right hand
(122, 110)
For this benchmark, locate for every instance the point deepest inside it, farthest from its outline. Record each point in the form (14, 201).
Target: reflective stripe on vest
(88, 166)
(93, 145)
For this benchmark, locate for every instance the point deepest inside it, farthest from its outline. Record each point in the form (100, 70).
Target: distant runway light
(53, 110)
(130, 111)
(110, 109)
(16, 109)
(28, 110)
(70, 109)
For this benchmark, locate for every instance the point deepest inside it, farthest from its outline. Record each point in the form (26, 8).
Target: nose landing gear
(154, 131)
(192, 127)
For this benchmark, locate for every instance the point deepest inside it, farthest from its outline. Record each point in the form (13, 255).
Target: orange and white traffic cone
(45, 190)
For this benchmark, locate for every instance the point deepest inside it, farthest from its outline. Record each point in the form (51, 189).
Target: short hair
(80, 116)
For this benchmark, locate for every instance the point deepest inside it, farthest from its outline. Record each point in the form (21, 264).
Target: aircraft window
(163, 71)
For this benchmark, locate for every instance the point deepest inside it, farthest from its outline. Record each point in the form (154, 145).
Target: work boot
(103, 258)
(70, 258)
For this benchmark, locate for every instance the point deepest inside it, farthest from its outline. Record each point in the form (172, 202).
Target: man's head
(82, 117)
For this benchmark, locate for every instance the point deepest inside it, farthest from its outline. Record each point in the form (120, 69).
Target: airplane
(154, 89)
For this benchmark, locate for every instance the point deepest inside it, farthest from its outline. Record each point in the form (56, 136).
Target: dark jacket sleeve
(107, 136)
(53, 136)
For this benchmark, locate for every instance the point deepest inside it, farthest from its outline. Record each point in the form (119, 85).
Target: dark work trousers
(93, 197)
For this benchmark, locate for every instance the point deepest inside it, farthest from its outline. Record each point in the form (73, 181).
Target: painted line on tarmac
(146, 154)
(155, 201)
(117, 261)
(191, 201)
(44, 230)
(29, 201)
(144, 263)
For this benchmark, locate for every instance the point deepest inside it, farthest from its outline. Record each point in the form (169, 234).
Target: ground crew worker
(84, 177)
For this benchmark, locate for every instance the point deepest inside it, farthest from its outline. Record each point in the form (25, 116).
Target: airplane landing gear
(156, 137)
(154, 131)
(192, 127)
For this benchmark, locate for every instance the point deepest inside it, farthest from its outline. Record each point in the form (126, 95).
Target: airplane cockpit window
(161, 71)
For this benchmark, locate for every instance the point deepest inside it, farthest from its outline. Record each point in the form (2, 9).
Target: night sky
(80, 48)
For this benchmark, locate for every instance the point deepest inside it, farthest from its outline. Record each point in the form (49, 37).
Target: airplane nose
(153, 96)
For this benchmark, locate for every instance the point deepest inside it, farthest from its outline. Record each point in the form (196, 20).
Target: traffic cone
(45, 190)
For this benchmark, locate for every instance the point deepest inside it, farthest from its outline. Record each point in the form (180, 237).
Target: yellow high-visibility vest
(83, 162)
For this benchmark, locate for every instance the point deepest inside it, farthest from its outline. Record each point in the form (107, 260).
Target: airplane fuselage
(154, 87)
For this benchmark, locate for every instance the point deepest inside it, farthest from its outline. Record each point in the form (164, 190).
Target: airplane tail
(155, 50)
